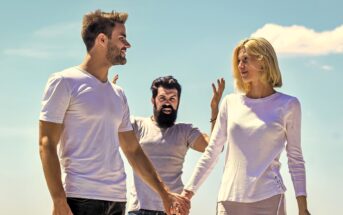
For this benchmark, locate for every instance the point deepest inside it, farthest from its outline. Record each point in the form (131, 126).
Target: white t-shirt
(92, 114)
(255, 131)
(166, 149)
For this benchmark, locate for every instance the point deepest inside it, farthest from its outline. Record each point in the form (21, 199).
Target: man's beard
(114, 56)
(165, 120)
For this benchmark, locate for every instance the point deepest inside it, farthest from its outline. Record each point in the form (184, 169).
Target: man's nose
(127, 44)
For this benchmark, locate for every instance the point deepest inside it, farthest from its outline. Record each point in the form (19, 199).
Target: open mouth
(123, 52)
(167, 110)
(244, 74)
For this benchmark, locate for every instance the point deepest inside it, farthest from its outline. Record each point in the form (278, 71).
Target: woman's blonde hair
(265, 54)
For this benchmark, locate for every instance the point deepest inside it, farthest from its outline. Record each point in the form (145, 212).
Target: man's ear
(101, 40)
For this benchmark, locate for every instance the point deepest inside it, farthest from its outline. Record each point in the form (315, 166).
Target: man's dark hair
(98, 22)
(167, 82)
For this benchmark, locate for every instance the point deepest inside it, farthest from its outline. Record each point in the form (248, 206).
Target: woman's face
(249, 67)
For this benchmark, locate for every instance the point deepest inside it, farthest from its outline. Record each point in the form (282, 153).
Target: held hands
(188, 194)
(217, 93)
(176, 204)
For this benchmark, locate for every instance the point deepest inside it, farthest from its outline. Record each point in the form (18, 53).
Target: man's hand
(176, 204)
(115, 78)
(217, 93)
(61, 208)
(188, 194)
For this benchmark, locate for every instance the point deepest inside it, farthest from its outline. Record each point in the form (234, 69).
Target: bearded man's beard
(165, 120)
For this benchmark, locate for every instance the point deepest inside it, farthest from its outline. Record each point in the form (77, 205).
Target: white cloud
(326, 68)
(27, 52)
(315, 64)
(299, 40)
(59, 30)
(50, 42)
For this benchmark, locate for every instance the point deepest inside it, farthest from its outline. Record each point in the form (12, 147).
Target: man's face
(165, 106)
(117, 45)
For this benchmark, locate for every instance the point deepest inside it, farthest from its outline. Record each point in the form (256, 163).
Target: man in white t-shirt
(166, 143)
(88, 118)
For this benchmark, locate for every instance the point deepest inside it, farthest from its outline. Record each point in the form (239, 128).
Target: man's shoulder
(184, 125)
(139, 120)
(69, 74)
(117, 88)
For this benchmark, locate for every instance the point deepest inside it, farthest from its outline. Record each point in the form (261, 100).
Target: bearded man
(166, 142)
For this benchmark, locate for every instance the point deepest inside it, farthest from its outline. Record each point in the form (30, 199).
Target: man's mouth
(123, 52)
(167, 110)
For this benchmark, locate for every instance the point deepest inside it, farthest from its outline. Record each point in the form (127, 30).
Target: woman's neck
(258, 91)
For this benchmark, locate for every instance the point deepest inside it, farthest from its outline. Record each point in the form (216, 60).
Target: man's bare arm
(49, 136)
(142, 166)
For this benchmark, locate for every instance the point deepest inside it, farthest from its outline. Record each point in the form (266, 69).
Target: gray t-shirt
(166, 149)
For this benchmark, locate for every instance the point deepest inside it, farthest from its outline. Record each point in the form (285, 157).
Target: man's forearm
(52, 171)
(144, 168)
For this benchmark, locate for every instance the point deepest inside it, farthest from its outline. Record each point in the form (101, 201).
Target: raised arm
(217, 96)
(144, 169)
(210, 157)
(202, 141)
(49, 136)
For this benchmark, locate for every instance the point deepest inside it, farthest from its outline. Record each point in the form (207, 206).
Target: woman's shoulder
(233, 96)
(290, 102)
(288, 98)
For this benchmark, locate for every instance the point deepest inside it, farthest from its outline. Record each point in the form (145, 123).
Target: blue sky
(192, 40)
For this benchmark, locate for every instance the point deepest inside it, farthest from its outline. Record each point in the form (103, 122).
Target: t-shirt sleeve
(55, 99)
(125, 124)
(192, 135)
(135, 126)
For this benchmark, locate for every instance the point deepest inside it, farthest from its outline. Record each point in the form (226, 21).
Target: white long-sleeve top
(256, 132)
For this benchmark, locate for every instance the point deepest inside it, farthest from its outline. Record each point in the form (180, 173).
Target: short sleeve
(125, 124)
(192, 135)
(56, 99)
(135, 127)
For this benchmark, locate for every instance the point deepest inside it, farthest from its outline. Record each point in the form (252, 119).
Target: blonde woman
(257, 123)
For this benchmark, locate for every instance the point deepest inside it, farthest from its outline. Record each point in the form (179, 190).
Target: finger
(222, 83)
(184, 205)
(115, 78)
(214, 88)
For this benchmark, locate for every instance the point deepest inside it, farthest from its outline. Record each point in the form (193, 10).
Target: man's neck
(95, 67)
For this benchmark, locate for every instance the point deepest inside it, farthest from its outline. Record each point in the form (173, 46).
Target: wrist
(164, 192)
(59, 200)
(214, 113)
(188, 194)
